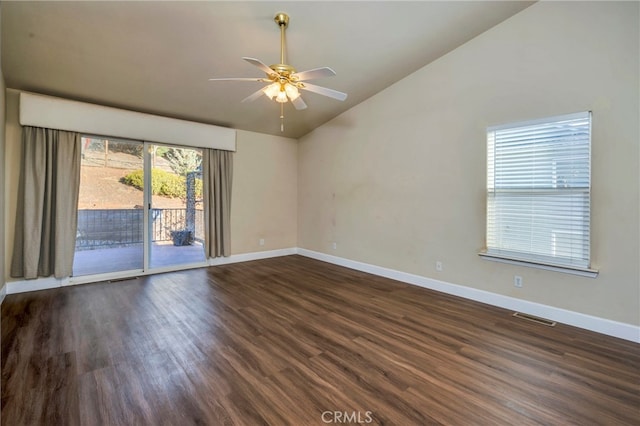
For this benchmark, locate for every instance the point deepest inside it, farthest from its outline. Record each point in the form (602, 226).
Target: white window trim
(586, 272)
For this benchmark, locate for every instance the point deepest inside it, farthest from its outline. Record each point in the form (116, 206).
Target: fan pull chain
(282, 117)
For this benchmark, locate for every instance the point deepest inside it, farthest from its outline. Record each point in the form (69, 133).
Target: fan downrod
(282, 69)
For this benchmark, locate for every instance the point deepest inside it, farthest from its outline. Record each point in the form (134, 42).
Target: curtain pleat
(217, 176)
(46, 221)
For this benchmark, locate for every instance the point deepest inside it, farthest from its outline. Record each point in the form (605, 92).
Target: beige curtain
(47, 216)
(217, 175)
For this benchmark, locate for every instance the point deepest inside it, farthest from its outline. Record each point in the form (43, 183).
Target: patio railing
(111, 228)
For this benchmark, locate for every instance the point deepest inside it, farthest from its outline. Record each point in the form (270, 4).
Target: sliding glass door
(176, 216)
(110, 236)
(140, 208)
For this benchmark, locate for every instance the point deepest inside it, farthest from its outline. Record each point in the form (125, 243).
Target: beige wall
(264, 198)
(399, 180)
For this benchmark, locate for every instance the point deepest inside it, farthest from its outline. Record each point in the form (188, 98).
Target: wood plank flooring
(295, 341)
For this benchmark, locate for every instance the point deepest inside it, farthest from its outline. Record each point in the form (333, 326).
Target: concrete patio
(100, 261)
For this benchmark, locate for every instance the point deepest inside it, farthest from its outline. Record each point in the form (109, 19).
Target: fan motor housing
(283, 69)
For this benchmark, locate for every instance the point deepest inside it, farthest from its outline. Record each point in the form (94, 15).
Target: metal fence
(166, 220)
(111, 228)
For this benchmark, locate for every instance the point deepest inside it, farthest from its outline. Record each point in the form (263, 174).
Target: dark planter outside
(181, 238)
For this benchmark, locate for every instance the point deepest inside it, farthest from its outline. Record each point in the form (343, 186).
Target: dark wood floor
(282, 341)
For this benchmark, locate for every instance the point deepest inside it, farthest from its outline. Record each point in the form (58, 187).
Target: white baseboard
(3, 293)
(23, 286)
(245, 257)
(576, 319)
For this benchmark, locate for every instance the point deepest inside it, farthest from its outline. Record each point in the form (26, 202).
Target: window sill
(591, 273)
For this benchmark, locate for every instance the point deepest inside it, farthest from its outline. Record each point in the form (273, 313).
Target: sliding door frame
(147, 201)
(146, 223)
(148, 198)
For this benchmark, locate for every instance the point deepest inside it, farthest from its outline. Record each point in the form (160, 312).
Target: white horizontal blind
(538, 190)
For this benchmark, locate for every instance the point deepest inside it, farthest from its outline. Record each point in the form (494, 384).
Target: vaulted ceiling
(157, 57)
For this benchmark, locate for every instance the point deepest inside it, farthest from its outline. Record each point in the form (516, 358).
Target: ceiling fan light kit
(283, 79)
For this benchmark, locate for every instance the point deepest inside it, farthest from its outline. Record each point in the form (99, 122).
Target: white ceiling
(157, 57)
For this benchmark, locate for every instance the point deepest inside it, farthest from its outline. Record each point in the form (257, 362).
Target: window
(538, 191)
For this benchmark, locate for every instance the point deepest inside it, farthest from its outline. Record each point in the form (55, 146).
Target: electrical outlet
(335, 246)
(261, 241)
(517, 281)
(438, 266)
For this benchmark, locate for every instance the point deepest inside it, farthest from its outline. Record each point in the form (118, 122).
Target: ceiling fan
(283, 79)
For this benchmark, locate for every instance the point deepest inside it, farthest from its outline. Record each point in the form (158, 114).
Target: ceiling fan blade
(298, 103)
(255, 95)
(323, 91)
(259, 64)
(314, 73)
(237, 79)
